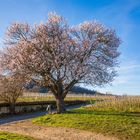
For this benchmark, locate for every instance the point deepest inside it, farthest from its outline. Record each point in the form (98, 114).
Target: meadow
(14, 136)
(118, 117)
(120, 104)
(28, 97)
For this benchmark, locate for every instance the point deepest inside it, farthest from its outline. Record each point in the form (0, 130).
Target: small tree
(60, 56)
(11, 87)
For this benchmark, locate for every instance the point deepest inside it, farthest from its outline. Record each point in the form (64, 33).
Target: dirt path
(52, 133)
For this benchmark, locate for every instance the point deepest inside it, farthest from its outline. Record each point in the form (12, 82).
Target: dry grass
(103, 103)
(28, 96)
(119, 104)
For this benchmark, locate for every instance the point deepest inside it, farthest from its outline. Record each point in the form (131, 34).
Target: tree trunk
(12, 108)
(60, 105)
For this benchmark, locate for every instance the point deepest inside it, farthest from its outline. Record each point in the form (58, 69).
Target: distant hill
(81, 90)
(32, 87)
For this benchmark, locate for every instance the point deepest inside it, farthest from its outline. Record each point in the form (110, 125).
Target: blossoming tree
(11, 87)
(59, 56)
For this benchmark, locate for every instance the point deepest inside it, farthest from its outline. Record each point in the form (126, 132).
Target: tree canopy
(60, 56)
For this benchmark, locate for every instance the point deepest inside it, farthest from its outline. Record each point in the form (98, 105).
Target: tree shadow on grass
(92, 112)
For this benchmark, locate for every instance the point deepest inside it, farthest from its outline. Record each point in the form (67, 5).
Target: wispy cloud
(128, 73)
(127, 81)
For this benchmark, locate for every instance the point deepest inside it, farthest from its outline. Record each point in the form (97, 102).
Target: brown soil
(52, 133)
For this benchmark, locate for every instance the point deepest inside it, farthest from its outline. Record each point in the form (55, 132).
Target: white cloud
(127, 81)
(129, 67)
(128, 73)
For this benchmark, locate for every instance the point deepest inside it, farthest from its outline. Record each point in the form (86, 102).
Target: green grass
(122, 125)
(14, 136)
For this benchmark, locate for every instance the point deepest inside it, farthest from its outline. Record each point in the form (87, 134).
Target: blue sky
(122, 15)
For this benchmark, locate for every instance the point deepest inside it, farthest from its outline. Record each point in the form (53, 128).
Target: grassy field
(121, 104)
(51, 98)
(41, 97)
(120, 118)
(29, 97)
(13, 136)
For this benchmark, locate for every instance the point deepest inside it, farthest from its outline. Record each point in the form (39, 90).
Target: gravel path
(26, 116)
(51, 133)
